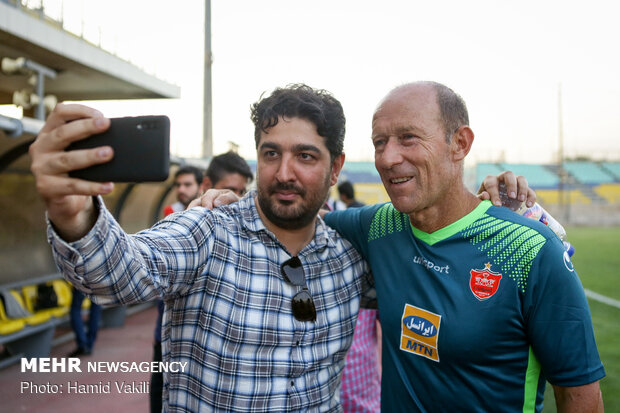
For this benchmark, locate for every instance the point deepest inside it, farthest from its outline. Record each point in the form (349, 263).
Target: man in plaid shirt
(261, 297)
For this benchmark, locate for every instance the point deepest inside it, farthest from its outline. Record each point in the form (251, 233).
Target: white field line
(603, 299)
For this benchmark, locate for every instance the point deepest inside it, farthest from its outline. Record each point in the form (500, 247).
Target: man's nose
(391, 154)
(285, 171)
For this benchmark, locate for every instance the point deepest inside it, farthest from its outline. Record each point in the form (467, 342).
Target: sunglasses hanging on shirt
(302, 303)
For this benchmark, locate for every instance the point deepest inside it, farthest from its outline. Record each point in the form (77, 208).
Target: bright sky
(506, 58)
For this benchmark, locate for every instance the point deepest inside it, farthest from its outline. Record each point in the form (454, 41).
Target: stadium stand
(553, 196)
(582, 198)
(587, 182)
(368, 193)
(587, 173)
(537, 175)
(612, 168)
(610, 192)
(360, 172)
(484, 169)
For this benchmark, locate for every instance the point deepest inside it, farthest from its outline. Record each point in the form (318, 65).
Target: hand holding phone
(141, 151)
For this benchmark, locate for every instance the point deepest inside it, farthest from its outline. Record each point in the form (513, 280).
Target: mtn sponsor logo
(420, 332)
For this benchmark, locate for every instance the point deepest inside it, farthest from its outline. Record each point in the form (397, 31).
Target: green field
(597, 260)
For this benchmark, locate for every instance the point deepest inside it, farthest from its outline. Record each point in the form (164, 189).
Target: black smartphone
(141, 151)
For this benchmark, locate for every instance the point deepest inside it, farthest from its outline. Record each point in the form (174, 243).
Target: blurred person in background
(187, 186)
(228, 171)
(347, 195)
(84, 337)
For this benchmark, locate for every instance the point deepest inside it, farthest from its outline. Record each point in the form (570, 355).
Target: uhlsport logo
(420, 332)
(484, 283)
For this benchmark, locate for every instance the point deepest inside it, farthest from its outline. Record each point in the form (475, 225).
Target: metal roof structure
(31, 43)
(84, 71)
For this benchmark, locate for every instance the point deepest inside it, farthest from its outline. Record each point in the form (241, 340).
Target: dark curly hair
(228, 163)
(298, 100)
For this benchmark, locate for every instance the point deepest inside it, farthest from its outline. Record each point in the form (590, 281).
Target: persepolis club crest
(484, 283)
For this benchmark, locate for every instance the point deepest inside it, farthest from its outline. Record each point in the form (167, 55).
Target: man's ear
(206, 184)
(461, 142)
(336, 168)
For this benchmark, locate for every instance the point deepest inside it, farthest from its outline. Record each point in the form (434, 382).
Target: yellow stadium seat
(8, 326)
(367, 193)
(11, 326)
(63, 292)
(611, 192)
(552, 197)
(34, 319)
(371, 193)
(65, 289)
(30, 298)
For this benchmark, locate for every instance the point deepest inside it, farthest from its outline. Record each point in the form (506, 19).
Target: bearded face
(289, 205)
(294, 173)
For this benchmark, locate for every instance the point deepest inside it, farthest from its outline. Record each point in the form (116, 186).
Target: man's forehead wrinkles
(395, 129)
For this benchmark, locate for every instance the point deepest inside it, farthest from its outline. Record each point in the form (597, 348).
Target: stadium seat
(587, 172)
(31, 319)
(484, 169)
(63, 292)
(30, 298)
(538, 176)
(552, 196)
(613, 168)
(8, 326)
(371, 193)
(611, 192)
(360, 172)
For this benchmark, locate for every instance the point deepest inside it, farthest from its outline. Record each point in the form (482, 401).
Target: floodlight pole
(564, 195)
(207, 118)
(560, 127)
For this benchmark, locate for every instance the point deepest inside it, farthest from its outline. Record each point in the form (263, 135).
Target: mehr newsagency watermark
(75, 365)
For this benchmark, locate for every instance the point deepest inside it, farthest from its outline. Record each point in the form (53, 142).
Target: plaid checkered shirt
(227, 306)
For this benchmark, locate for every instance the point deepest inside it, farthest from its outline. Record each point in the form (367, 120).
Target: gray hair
(452, 108)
